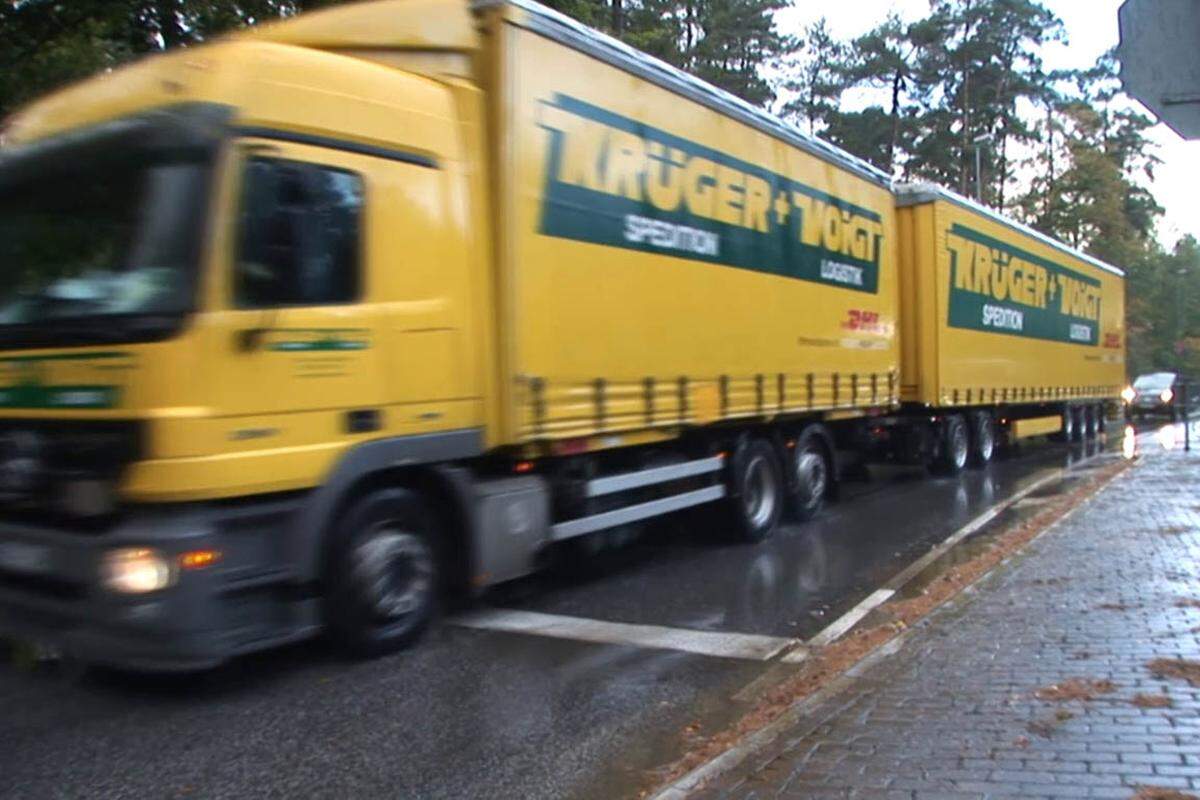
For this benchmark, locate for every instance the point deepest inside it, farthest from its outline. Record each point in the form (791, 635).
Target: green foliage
(45, 44)
(817, 77)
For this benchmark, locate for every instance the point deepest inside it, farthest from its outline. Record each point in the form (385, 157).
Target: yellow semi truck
(301, 327)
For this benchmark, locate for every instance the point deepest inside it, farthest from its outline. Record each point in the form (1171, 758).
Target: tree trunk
(1049, 163)
(618, 16)
(897, 84)
(1002, 172)
(689, 26)
(166, 13)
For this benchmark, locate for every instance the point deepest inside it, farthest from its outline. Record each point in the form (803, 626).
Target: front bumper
(50, 589)
(1150, 406)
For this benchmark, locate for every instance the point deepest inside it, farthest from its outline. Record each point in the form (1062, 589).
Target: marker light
(199, 559)
(1165, 395)
(136, 570)
(1128, 394)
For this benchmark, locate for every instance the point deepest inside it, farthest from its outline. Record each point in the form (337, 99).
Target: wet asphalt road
(475, 713)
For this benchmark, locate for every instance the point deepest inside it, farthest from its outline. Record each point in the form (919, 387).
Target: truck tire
(383, 580)
(953, 446)
(1079, 424)
(1091, 425)
(1067, 434)
(810, 475)
(983, 438)
(755, 491)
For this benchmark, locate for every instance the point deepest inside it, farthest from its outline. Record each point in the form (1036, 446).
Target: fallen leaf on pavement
(1175, 668)
(1075, 689)
(1152, 701)
(1160, 793)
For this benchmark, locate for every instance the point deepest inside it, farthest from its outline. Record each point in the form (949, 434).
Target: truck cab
(224, 269)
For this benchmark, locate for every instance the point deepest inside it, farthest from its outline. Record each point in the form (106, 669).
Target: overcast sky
(1091, 30)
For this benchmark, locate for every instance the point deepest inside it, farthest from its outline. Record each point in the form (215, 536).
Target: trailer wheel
(384, 574)
(983, 438)
(1067, 434)
(756, 491)
(953, 446)
(1079, 424)
(1091, 426)
(810, 466)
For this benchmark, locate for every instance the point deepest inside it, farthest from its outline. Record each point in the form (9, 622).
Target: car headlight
(136, 570)
(1128, 394)
(1165, 395)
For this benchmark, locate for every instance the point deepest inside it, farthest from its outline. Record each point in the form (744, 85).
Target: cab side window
(299, 235)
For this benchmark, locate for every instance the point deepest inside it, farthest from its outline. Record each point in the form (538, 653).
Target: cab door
(299, 327)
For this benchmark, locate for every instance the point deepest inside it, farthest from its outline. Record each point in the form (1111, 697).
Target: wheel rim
(958, 445)
(810, 470)
(1068, 424)
(987, 440)
(393, 572)
(760, 494)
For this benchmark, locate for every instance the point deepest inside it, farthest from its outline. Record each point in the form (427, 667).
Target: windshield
(117, 238)
(1154, 382)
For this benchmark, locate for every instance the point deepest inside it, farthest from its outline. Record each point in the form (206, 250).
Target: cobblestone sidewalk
(980, 701)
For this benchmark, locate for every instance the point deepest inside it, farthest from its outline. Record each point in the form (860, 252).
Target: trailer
(1001, 323)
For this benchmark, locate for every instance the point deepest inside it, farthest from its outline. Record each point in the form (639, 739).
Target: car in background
(1158, 394)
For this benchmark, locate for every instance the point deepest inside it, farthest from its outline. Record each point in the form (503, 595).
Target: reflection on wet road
(477, 712)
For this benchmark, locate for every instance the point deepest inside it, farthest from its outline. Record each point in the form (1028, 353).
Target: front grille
(46, 586)
(65, 470)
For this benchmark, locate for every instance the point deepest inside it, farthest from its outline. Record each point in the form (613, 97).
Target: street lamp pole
(978, 173)
(979, 141)
(1179, 307)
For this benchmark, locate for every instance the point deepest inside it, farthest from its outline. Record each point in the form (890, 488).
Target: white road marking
(749, 646)
(851, 618)
(922, 563)
(839, 627)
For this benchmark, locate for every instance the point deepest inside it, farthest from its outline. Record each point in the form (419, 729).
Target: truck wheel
(1067, 434)
(1091, 426)
(953, 446)
(983, 438)
(811, 475)
(384, 574)
(756, 489)
(1079, 424)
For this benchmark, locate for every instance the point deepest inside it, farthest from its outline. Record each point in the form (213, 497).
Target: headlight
(136, 570)
(1128, 394)
(1165, 395)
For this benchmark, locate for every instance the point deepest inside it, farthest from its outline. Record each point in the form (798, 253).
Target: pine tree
(977, 60)
(734, 40)
(883, 58)
(816, 67)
